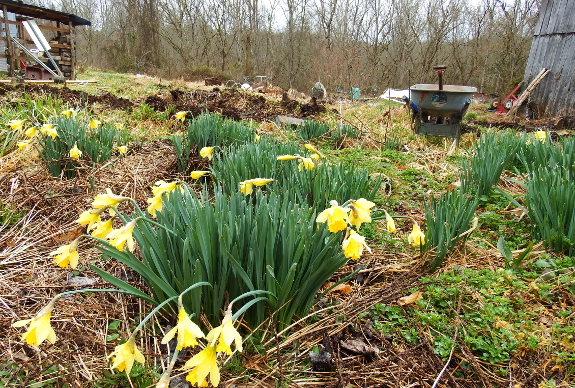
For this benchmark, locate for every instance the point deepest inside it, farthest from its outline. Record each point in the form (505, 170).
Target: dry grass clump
(29, 278)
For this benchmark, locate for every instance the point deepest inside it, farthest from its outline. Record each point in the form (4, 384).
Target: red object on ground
(510, 100)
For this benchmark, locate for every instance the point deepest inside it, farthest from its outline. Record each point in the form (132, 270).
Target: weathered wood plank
(546, 13)
(552, 63)
(553, 47)
(569, 19)
(51, 28)
(557, 7)
(539, 25)
(565, 100)
(556, 74)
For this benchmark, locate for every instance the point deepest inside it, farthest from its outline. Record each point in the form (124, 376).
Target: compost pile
(231, 103)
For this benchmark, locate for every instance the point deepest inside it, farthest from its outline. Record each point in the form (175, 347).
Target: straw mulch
(29, 278)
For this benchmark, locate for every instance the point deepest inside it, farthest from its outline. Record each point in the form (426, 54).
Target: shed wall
(553, 48)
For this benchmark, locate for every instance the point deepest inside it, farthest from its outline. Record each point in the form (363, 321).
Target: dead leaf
(454, 185)
(502, 324)
(410, 299)
(357, 347)
(68, 235)
(343, 288)
(517, 212)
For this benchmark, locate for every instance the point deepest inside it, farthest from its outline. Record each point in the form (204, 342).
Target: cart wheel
(494, 103)
(508, 104)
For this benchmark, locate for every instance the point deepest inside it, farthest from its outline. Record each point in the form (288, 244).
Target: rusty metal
(439, 69)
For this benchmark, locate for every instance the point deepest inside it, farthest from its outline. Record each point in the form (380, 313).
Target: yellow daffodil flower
(257, 138)
(123, 150)
(287, 157)
(69, 113)
(119, 237)
(16, 124)
(164, 187)
(225, 334)
(67, 255)
(204, 363)
(390, 223)
(261, 181)
(47, 126)
(360, 212)
(181, 115)
(541, 136)
(119, 125)
(246, 187)
(94, 123)
(75, 152)
(23, 144)
(187, 331)
(125, 355)
(107, 200)
(156, 201)
(314, 150)
(90, 217)
(336, 217)
(353, 246)
(103, 229)
(306, 163)
(31, 132)
(155, 205)
(198, 174)
(49, 129)
(315, 156)
(416, 237)
(39, 329)
(206, 152)
(164, 381)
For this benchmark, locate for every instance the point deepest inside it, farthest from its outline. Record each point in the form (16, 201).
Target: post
(439, 69)
(72, 50)
(11, 49)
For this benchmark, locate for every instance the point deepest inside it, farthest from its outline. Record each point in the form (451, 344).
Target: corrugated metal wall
(553, 48)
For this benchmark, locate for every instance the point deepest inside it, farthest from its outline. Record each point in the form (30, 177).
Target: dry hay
(29, 278)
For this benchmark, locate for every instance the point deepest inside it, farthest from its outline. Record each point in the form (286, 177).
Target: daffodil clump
(340, 218)
(203, 368)
(305, 163)
(67, 255)
(351, 216)
(67, 140)
(204, 363)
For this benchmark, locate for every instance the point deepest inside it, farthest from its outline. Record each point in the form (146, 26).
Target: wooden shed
(58, 29)
(553, 48)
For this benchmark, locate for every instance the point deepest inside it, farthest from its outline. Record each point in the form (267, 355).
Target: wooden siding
(553, 48)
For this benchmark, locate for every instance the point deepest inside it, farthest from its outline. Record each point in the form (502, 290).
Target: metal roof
(21, 8)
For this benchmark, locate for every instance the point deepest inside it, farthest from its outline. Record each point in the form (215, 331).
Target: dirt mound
(75, 97)
(230, 103)
(234, 104)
